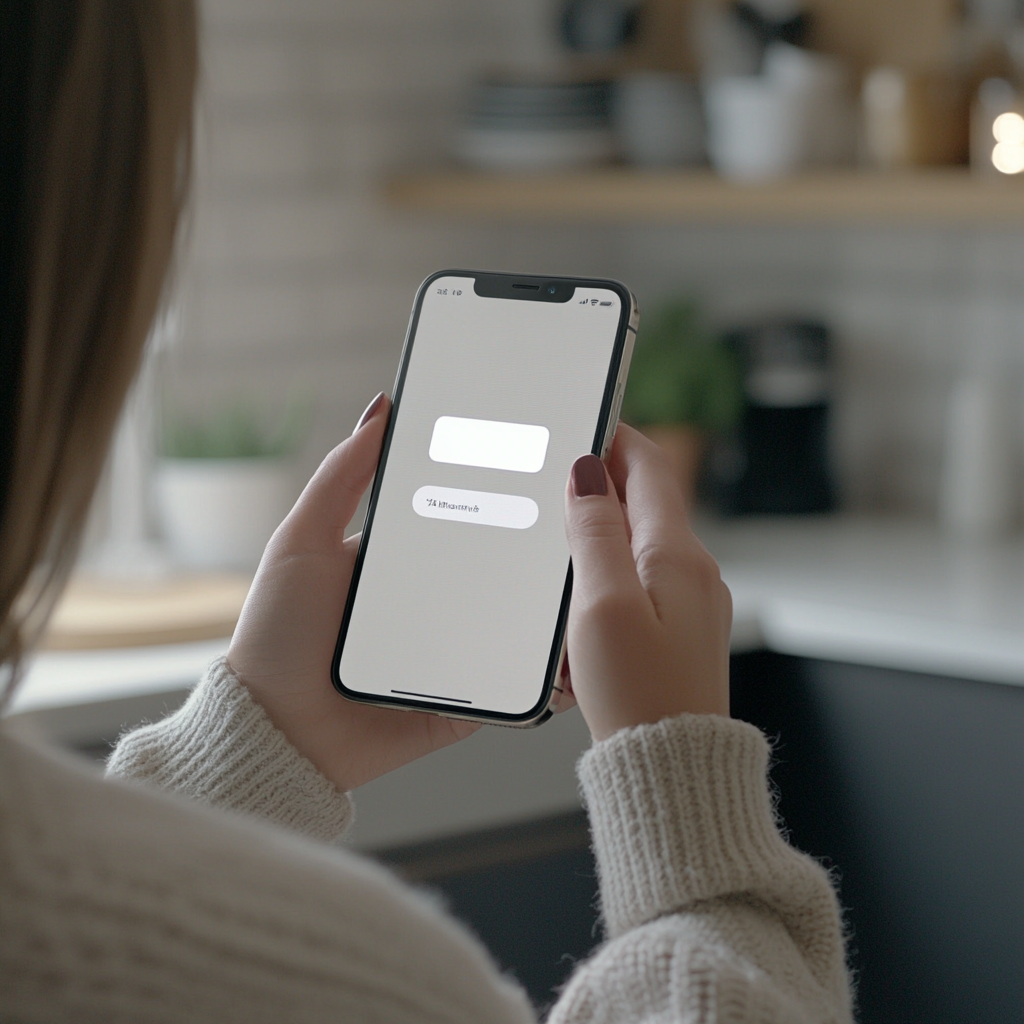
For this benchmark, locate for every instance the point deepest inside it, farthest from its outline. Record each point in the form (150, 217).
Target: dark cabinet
(911, 788)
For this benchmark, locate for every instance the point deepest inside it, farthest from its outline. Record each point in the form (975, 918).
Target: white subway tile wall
(297, 276)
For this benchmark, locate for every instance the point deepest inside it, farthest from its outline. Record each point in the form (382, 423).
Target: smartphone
(460, 593)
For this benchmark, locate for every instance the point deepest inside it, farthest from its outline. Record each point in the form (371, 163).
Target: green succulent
(682, 374)
(237, 431)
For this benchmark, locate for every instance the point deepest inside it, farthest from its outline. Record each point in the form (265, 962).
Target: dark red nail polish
(370, 410)
(588, 477)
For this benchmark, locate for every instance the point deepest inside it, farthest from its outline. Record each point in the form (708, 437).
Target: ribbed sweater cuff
(680, 812)
(221, 748)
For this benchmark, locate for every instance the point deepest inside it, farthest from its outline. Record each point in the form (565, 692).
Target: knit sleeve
(222, 749)
(710, 914)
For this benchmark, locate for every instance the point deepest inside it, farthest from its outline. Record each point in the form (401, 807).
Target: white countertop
(64, 678)
(891, 594)
(872, 592)
(884, 593)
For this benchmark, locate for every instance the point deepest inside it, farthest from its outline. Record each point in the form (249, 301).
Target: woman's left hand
(284, 641)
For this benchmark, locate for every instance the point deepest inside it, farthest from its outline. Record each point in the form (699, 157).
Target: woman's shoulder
(55, 807)
(106, 883)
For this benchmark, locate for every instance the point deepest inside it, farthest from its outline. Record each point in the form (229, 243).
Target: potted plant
(224, 483)
(684, 385)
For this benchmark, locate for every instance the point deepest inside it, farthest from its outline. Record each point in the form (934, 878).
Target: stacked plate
(536, 125)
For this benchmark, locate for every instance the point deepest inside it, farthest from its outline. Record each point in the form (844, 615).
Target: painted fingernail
(370, 410)
(588, 476)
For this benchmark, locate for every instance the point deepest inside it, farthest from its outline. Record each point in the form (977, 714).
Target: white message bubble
(489, 444)
(512, 511)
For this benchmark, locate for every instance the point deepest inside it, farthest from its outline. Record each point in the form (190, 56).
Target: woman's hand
(284, 641)
(650, 616)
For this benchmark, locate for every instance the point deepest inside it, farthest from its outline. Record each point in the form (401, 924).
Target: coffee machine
(777, 461)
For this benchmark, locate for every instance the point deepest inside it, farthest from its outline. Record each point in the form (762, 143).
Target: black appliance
(777, 463)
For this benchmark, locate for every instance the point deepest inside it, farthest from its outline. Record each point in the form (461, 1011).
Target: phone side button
(613, 422)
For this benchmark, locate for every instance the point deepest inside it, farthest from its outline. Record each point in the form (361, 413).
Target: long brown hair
(96, 104)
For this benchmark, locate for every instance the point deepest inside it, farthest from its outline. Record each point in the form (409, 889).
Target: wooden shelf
(622, 196)
(96, 613)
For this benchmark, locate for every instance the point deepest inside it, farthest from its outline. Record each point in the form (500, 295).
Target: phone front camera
(552, 289)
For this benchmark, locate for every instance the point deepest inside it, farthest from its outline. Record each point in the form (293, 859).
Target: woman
(121, 901)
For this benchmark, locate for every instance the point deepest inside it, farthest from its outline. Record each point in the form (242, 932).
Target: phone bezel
(497, 282)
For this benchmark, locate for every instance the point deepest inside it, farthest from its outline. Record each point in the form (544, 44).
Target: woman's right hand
(650, 616)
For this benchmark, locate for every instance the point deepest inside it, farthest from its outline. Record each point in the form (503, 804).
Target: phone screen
(465, 561)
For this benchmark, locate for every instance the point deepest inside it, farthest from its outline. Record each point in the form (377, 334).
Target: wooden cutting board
(96, 613)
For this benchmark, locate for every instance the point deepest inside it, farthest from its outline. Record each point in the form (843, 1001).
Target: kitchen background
(884, 651)
(298, 273)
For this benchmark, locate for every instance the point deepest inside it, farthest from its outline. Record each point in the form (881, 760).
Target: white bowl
(534, 150)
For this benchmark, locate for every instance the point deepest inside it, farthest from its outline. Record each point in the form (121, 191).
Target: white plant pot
(220, 513)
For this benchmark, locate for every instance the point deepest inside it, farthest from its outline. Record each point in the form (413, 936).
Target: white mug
(755, 127)
(828, 121)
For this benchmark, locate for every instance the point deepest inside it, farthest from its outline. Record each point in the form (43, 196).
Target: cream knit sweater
(122, 902)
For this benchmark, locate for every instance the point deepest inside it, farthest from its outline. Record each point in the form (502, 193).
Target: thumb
(596, 530)
(330, 499)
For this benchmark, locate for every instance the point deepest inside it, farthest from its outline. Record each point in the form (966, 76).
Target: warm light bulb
(1008, 157)
(1009, 127)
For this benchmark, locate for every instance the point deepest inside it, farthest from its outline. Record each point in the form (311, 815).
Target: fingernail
(370, 410)
(588, 476)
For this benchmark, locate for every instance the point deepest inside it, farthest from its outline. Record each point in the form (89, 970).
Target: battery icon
(608, 303)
